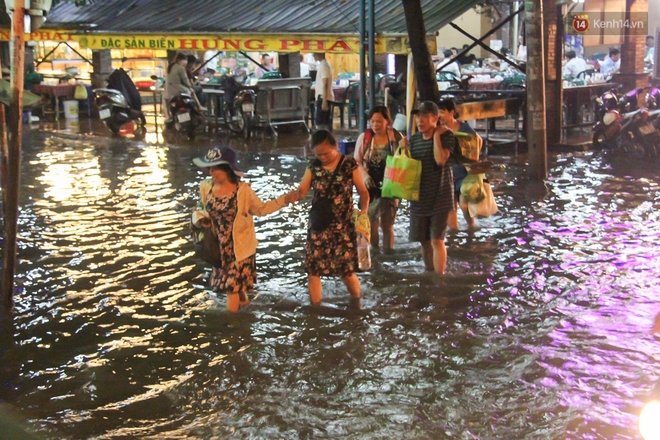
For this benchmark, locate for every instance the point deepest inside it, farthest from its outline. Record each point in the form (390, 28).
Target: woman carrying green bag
(372, 148)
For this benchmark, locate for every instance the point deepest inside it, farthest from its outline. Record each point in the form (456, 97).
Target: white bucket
(70, 109)
(72, 125)
(400, 123)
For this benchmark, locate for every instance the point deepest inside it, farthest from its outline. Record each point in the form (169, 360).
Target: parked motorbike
(240, 106)
(653, 98)
(639, 137)
(629, 101)
(608, 119)
(184, 115)
(120, 103)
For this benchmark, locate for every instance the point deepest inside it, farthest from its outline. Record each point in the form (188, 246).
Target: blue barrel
(347, 146)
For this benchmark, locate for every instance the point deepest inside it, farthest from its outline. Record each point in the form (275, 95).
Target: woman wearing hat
(228, 205)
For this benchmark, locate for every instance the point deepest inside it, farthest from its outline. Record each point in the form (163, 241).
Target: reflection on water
(537, 330)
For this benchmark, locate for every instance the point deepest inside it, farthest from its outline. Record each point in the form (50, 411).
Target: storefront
(65, 53)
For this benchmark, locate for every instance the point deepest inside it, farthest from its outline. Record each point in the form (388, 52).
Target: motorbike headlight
(649, 421)
(118, 99)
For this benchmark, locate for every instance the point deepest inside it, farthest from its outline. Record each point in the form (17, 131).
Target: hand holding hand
(291, 197)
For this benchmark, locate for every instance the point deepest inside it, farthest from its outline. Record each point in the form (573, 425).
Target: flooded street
(539, 330)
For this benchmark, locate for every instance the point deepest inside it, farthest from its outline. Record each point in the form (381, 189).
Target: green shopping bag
(402, 176)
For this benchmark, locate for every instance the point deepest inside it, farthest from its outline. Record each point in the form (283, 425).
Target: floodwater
(539, 330)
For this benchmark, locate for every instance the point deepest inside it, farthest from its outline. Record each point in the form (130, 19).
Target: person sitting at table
(521, 55)
(466, 58)
(452, 67)
(499, 64)
(612, 63)
(574, 65)
(268, 67)
(649, 54)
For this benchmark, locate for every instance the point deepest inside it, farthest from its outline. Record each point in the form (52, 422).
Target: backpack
(369, 135)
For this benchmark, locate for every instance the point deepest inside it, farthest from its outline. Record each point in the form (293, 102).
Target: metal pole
(536, 112)
(372, 53)
(516, 30)
(14, 159)
(363, 77)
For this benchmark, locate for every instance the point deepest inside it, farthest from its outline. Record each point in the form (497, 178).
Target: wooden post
(536, 110)
(4, 159)
(631, 75)
(14, 155)
(424, 71)
(554, 34)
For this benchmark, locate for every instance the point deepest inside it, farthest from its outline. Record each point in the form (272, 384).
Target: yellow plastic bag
(80, 92)
(362, 224)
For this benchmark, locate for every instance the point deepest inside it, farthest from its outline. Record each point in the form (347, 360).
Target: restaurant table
(484, 85)
(55, 91)
(215, 103)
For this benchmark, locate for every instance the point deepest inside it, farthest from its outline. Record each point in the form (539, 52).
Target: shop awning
(253, 25)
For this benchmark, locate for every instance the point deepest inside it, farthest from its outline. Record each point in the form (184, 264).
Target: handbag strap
(334, 174)
(391, 143)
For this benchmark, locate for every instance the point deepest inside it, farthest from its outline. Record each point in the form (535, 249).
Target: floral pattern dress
(234, 276)
(333, 251)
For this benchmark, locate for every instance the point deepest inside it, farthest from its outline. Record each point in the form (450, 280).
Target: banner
(229, 42)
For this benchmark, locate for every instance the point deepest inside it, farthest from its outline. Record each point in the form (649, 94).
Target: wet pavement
(538, 329)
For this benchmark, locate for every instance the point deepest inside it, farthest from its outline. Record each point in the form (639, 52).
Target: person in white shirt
(323, 91)
(265, 61)
(574, 65)
(522, 49)
(210, 55)
(452, 67)
(612, 63)
(649, 56)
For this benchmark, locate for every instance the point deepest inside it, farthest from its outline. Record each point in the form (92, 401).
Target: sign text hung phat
(248, 43)
(228, 42)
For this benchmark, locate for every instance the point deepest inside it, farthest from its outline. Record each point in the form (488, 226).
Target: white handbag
(487, 206)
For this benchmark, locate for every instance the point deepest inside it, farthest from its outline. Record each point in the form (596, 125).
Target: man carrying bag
(437, 150)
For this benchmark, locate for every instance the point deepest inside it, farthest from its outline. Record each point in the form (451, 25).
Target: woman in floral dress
(228, 205)
(333, 251)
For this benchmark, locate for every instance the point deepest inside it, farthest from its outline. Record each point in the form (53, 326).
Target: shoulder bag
(321, 215)
(207, 246)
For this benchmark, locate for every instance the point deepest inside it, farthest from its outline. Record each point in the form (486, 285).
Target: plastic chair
(598, 56)
(352, 101)
(584, 73)
(445, 76)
